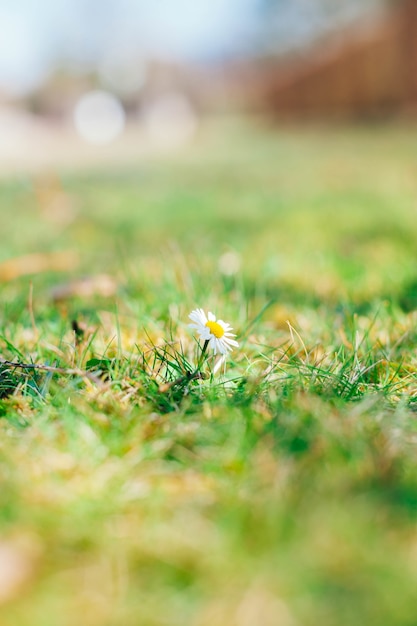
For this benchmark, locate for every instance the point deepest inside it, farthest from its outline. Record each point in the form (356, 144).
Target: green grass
(283, 491)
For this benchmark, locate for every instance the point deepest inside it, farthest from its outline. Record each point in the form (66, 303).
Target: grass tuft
(142, 484)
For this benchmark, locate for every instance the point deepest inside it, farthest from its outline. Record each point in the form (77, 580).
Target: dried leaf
(100, 285)
(37, 263)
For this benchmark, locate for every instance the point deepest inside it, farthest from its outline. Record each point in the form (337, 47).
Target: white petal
(198, 316)
(196, 326)
(226, 327)
(222, 347)
(211, 317)
(213, 345)
(219, 364)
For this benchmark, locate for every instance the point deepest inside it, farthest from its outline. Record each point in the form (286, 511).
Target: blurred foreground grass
(285, 491)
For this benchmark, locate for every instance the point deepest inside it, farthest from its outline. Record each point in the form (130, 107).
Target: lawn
(280, 490)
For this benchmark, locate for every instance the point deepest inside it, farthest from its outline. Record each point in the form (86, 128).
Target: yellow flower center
(215, 329)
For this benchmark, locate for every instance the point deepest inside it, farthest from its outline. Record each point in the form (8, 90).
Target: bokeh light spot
(99, 117)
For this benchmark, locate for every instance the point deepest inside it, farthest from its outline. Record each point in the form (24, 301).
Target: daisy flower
(215, 332)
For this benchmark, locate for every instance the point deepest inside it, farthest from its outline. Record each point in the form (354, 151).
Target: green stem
(189, 376)
(201, 359)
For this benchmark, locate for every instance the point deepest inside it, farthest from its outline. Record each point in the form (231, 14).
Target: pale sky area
(37, 34)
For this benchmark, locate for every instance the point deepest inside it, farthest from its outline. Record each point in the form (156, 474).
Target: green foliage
(136, 487)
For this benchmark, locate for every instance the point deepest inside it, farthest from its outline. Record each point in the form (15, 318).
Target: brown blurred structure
(368, 71)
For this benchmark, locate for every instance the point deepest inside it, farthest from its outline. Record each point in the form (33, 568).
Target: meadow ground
(282, 491)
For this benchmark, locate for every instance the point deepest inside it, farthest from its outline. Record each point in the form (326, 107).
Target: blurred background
(78, 74)
(258, 158)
